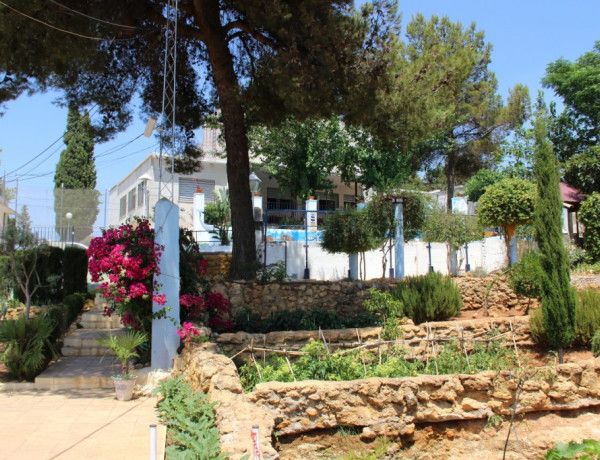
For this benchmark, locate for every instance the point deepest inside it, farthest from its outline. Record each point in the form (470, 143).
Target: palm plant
(28, 344)
(124, 347)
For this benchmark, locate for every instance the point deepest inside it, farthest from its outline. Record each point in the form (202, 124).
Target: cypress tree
(75, 179)
(557, 295)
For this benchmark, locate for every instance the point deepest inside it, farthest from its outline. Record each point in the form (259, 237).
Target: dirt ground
(535, 435)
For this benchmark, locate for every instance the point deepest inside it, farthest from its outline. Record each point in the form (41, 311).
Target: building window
(277, 199)
(349, 201)
(123, 206)
(187, 188)
(131, 200)
(141, 192)
(328, 201)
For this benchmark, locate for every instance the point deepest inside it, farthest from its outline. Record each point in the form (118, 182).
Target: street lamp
(69, 216)
(254, 183)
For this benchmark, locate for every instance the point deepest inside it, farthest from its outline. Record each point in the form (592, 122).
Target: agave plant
(28, 345)
(124, 347)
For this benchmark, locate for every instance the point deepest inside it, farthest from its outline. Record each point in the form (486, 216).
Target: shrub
(48, 262)
(75, 269)
(387, 310)
(73, 304)
(525, 277)
(587, 317)
(190, 421)
(429, 297)
(28, 345)
(596, 344)
(590, 209)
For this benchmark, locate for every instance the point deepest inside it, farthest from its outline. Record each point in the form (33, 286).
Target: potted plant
(124, 347)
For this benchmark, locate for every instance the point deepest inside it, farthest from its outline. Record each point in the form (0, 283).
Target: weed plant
(318, 364)
(190, 421)
(596, 344)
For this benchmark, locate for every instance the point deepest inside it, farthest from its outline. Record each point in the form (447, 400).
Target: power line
(89, 37)
(117, 147)
(92, 17)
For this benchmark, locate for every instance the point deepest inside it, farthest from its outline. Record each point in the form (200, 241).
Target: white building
(137, 193)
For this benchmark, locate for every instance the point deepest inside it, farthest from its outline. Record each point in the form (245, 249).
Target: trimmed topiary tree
(507, 203)
(557, 294)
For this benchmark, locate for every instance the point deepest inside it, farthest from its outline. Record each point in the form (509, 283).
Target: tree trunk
(236, 142)
(450, 179)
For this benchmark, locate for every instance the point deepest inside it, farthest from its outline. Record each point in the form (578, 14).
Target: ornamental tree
(557, 295)
(477, 185)
(506, 204)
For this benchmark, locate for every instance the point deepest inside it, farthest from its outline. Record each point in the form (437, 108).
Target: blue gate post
(399, 245)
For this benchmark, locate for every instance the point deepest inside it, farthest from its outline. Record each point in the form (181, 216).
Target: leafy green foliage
(596, 344)
(28, 345)
(537, 327)
(318, 364)
(218, 214)
(588, 214)
(525, 277)
(190, 421)
(477, 185)
(429, 297)
(557, 295)
(387, 310)
(455, 230)
(350, 231)
(582, 171)
(273, 273)
(298, 319)
(574, 449)
(578, 83)
(507, 202)
(124, 346)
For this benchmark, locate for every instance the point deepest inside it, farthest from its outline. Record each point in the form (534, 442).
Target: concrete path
(76, 424)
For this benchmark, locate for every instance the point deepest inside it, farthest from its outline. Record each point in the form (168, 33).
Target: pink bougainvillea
(124, 260)
(188, 332)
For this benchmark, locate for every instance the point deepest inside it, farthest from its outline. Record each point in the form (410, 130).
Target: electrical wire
(89, 37)
(92, 17)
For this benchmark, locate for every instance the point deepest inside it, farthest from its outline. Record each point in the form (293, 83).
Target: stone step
(95, 319)
(83, 342)
(81, 372)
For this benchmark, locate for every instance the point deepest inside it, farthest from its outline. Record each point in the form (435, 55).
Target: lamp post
(69, 216)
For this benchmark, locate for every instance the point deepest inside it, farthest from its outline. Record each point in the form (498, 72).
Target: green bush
(190, 421)
(73, 304)
(587, 319)
(429, 297)
(525, 277)
(48, 262)
(596, 344)
(588, 215)
(387, 310)
(75, 270)
(28, 345)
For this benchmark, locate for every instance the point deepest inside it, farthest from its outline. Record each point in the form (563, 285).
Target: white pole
(152, 442)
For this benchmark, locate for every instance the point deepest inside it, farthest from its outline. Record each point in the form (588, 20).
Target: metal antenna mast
(167, 128)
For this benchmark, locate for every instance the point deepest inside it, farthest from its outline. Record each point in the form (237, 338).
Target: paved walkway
(76, 424)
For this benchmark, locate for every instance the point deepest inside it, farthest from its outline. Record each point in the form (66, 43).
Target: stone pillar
(165, 340)
(399, 244)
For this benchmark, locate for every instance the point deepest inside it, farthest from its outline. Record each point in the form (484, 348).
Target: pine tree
(557, 294)
(75, 179)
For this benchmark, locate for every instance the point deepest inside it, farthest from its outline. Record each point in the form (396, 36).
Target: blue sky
(526, 35)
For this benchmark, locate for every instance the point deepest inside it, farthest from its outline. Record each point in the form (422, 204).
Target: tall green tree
(557, 295)
(247, 60)
(302, 155)
(473, 118)
(577, 127)
(582, 171)
(75, 179)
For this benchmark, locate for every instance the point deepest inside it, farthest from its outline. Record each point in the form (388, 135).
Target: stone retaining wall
(379, 406)
(347, 297)
(219, 264)
(233, 343)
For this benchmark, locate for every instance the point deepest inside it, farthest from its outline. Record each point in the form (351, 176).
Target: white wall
(488, 254)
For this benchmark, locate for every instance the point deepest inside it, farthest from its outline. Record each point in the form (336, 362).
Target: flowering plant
(188, 333)
(125, 260)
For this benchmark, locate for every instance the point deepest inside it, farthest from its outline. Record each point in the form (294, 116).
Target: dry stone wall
(379, 406)
(347, 297)
(412, 335)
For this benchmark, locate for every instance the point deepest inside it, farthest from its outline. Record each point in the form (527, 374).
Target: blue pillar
(399, 244)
